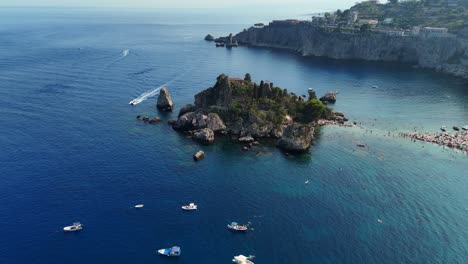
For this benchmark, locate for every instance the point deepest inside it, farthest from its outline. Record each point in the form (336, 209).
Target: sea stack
(209, 38)
(164, 100)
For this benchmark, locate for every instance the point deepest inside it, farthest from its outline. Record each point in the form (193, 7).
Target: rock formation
(209, 38)
(329, 97)
(205, 136)
(164, 100)
(199, 155)
(297, 138)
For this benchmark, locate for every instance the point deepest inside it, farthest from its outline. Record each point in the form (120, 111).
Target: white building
(434, 32)
(371, 22)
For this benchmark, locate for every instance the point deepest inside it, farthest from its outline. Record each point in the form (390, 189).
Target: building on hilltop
(371, 22)
(259, 25)
(434, 32)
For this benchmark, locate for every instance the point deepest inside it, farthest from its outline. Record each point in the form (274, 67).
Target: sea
(72, 150)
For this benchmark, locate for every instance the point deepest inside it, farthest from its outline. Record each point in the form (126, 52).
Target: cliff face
(448, 54)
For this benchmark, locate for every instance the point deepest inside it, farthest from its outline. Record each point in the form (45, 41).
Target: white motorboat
(236, 227)
(170, 252)
(306, 182)
(139, 206)
(189, 207)
(241, 259)
(465, 127)
(132, 102)
(75, 227)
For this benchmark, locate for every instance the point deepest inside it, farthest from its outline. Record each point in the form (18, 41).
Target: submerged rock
(297, 137)
(164, 100)
(205, 136)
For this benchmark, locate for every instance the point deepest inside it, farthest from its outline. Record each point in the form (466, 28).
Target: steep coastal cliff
(445, 54)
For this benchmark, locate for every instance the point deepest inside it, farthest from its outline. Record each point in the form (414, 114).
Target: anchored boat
(139, 206)
(189, 207)
(241, 259)
(170, 252)
(75, 227)
(443, 128)
(236, 227)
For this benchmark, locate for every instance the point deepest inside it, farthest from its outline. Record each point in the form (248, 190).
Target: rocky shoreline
(444, 54)
(456, 140)
(248, 111)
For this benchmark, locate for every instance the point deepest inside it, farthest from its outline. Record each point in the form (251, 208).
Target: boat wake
(146, 95)
(123, 54)
(152, 93)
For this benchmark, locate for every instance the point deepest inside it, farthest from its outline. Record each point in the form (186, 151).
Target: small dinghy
(139, 206)
(75, 227)
(465, 127)
(443, 128)
(170, 252)
(236, 227)
(456, 128)
(241, 259)
(189, 207)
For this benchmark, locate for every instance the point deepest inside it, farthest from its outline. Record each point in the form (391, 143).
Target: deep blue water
(72, 150)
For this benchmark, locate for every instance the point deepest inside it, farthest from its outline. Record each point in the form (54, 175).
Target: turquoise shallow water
(71, 150)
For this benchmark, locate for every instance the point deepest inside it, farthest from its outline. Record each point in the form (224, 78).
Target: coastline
(447, 55)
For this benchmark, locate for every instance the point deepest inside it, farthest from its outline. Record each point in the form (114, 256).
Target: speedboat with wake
(170, 252)
(75, 227)
(189, 207)
(236, 227)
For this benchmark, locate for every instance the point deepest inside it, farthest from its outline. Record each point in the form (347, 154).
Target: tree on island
(247, 77)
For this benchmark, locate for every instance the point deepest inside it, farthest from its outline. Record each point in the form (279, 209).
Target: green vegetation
(268, 103)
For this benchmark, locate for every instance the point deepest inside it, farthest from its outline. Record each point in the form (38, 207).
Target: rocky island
(248, 111)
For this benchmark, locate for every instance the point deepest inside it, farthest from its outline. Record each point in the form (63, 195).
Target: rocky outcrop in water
(209, 38)
(205, 136)
(297, 138)
(164, 100)
(329, 97)
(250, 111)
(445, 54)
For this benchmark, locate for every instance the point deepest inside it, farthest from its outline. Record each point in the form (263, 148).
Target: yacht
(236, 227)
(241, 259)
(189, 207)
(170, 252)
(75, 227)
